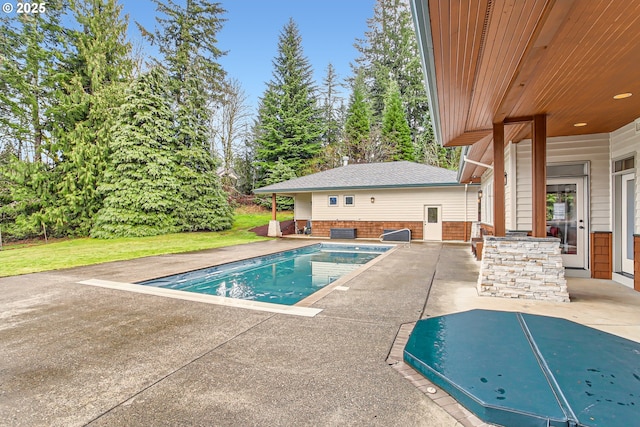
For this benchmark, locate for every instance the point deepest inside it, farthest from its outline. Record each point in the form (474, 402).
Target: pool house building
(368, 200)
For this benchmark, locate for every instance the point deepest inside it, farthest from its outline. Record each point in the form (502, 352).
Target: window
(349, 200)
(432, 215)
(333, 200)
(623, 165)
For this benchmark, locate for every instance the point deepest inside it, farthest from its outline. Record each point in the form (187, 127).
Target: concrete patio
(74, 354)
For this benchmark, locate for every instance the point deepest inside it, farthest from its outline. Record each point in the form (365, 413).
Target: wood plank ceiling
(499, 59)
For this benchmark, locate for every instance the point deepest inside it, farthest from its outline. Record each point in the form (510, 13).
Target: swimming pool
(281, 278)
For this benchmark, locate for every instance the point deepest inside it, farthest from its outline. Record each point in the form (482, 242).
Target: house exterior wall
(599, 151)
(625, 142)
(590, 148)
(396, 204)
(394, 209)
(302, 207)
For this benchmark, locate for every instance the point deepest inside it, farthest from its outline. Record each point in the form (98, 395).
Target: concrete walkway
(600, 304)
(73, 354)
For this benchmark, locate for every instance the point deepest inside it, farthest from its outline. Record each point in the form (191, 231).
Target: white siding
(625, 142)
(302, 206)
(487, 197)
(584, 148)
(510, 167)
(397, 204)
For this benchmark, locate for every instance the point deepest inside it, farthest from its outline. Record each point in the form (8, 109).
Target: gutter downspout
(473, 162)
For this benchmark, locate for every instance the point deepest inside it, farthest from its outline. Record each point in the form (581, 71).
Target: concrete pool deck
(75, 354)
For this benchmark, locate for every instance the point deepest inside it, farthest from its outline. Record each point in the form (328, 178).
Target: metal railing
(383, 235)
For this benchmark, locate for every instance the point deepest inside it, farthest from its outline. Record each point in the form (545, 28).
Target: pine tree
(333, 116)
(96, 69)
(289, 122)
(357, 131)
(187, 41)
(140, 187)
(395, 129)
(29, 46)
(389, 52)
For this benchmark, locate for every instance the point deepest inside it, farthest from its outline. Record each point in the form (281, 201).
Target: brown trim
(636, 262)
(601, 246)
(539, 176)
(273, 206)
(498, 180)
(516, 120)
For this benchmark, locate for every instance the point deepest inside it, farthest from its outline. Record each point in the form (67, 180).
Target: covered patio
(505, 80)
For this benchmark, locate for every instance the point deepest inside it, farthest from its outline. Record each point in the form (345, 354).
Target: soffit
(564, 58)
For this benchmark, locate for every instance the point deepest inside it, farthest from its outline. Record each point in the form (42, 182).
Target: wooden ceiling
(500, 59)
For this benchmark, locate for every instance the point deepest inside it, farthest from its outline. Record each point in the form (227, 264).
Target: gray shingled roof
(367, 175)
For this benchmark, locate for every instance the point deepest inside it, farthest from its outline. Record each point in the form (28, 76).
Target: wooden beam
(539, 176)
(516, 120)
(499, 227)
(273, 206)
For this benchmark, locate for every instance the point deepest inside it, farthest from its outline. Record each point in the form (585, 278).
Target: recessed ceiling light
(623, 95)
(580, 124)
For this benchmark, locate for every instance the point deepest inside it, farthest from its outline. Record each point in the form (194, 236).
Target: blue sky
(329, 29)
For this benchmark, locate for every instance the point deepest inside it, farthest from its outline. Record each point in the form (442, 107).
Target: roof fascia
(422, 24)
(362, 187)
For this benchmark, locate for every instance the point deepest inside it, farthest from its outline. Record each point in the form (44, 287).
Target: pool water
(281, 278)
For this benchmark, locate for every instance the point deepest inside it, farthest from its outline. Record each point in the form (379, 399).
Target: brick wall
(636, 262)
(601, 255)
(367, 229)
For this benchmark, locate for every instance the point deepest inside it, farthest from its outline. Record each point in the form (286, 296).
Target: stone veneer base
(522, 267)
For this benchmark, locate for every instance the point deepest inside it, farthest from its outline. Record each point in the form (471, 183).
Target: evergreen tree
(395, 129)
(187, 41)
(357, 131)
(333, 116)
(280, 172)
(389, 52)
(289, 123)
(96, 69)
(29, 45)
(140, 187)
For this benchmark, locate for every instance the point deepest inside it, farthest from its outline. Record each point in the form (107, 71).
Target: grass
(23, 259)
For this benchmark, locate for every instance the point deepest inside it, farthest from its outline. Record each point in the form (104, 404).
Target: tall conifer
(289, 123)
(187, 40)
(140, 187)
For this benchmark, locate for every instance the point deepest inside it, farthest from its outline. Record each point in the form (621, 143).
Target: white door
(566, 219)
(432, 223)
(628, 219)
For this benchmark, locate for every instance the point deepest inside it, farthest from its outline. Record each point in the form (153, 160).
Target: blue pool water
(281, 278)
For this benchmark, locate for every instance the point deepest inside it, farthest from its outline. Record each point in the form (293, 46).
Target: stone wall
(522, 267)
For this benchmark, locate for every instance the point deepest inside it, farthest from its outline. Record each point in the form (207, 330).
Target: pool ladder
(408, 242)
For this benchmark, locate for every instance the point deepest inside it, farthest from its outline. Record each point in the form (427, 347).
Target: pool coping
(301, 308)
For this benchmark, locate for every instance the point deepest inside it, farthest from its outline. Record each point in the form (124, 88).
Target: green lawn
(86, 251)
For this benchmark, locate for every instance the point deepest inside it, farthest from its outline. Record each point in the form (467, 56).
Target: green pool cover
(521, 370)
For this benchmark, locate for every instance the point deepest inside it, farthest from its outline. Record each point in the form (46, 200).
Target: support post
(273, 206)
(539, 176)
(499, 227)
(274, 224)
